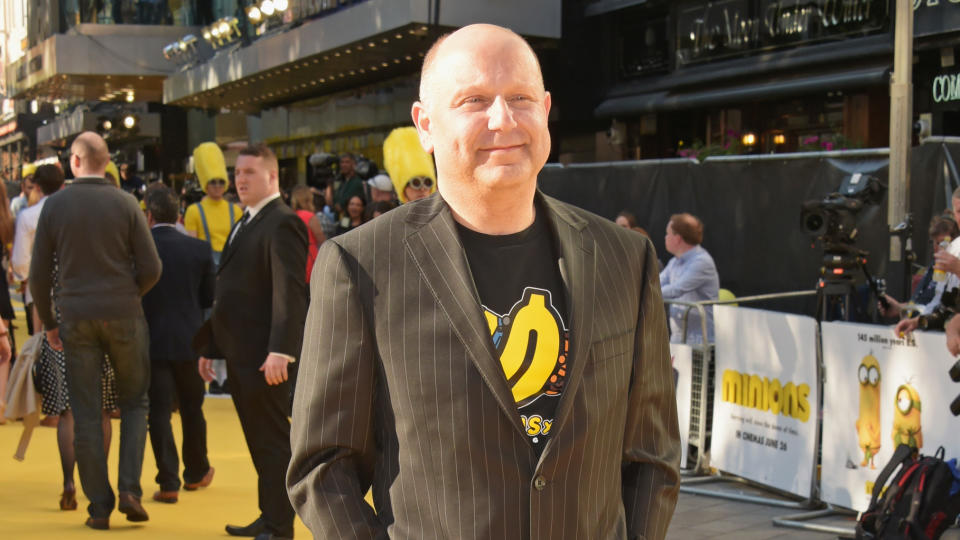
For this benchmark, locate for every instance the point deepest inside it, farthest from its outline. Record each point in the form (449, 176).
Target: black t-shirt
(522, 295)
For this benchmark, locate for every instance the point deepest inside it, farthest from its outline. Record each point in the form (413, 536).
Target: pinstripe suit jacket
(399, 388)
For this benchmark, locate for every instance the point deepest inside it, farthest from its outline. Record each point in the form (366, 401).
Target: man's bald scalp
(92, 148)
(426, 72)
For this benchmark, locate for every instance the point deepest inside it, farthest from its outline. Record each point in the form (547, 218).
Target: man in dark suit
(174, 311)
(492, 362)
(257, 325)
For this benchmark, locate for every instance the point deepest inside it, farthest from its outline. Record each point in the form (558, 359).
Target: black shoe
(256, 528)
(101, 524)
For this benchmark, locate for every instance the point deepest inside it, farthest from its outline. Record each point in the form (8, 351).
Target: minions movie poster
(765, 398)
(681, 357)
(880, 391)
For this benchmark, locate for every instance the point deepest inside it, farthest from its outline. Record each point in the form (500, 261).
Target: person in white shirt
(48, 179)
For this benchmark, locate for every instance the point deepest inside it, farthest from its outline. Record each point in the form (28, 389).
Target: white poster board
(681, 356)
(905, 395)
(766, 402)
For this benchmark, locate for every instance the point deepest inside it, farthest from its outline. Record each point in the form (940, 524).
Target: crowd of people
(123, 300)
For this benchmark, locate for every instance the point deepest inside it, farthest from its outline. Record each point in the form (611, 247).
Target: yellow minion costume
(212, 218)
(112, 173)
(27, 170)
(406, 160)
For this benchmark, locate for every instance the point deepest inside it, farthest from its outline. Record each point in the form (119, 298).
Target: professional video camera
(321, 174)
(833, 221)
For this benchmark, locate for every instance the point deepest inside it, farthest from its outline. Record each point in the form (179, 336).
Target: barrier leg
(687, 485)
(801, 521)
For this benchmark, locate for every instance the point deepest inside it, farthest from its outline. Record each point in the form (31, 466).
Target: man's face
(27, 186)
(378, 195)
(216, 187)
(347, 166)
(485, 117)
(254, 180)
(672, 240)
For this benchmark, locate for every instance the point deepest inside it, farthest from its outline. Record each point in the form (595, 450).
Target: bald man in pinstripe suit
(492, 362)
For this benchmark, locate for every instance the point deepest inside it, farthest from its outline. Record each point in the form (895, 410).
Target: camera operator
(928, 291)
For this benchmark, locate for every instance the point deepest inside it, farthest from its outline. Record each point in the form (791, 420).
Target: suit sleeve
(146, 260)
(40, 279)
(651, 452)
(332, 429)
(288, 259)
(209, 278)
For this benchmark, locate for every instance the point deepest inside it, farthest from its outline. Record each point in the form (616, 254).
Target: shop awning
(769, 89)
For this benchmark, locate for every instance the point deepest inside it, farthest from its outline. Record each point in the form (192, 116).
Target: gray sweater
(106, 255)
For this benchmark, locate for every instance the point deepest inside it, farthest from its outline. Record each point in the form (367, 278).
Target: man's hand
(906, 326)
(952, 329)
(274, 369)
(894, 307)
(205, 367)
(53, 338)
(946, 262)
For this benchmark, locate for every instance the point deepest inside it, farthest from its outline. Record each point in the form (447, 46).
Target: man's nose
(500, 115)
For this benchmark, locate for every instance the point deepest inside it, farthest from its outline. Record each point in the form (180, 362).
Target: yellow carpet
(30, 490)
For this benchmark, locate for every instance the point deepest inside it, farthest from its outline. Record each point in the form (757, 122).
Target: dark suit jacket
(261, 297)
(399, 388)
(174, 306)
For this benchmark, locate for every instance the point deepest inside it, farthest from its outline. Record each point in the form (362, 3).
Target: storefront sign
(932, 17)
(711, 30)
(765, 402)
(682, 359)
(879, 391)
(946, 88)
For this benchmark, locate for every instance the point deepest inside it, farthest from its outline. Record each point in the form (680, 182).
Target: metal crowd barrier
(701, 420)
(701, 409)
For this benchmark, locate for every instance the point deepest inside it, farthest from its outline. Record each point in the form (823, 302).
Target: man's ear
(421, 119)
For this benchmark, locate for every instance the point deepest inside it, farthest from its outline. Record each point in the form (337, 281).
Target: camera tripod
(836, 287)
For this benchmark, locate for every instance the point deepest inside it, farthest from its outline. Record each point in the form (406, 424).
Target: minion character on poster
(906, 418)
(868, 423)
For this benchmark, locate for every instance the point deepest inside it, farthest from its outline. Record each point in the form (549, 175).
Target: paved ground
(700, 516)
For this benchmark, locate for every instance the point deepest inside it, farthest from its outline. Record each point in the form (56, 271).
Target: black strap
(902, 453)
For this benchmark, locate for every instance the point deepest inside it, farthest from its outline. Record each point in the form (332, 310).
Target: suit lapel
(231, 247)
(436, 250)
(578, 260)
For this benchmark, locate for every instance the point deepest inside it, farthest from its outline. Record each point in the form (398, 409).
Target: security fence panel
(880, 390)
(765, 404)
(681, 357)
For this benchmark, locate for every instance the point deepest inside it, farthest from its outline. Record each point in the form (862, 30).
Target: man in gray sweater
(98, 237)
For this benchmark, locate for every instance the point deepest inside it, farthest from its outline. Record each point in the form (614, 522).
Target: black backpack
(917, 504)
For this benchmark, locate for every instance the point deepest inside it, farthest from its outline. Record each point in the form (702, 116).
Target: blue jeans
(126, 342)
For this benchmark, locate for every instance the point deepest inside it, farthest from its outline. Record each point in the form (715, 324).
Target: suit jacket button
(539, 483)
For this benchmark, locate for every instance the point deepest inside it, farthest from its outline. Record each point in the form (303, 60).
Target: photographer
(939, 308)
(928, 291)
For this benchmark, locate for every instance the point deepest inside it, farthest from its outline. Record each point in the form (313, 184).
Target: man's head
(684, 232)
(89, 155)
(955, 205)
(347, 165)
(942, 228)
(162, 204)
(381, 188)
(483, 112)
(256, 174)
(418, 187)
(49, 178)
